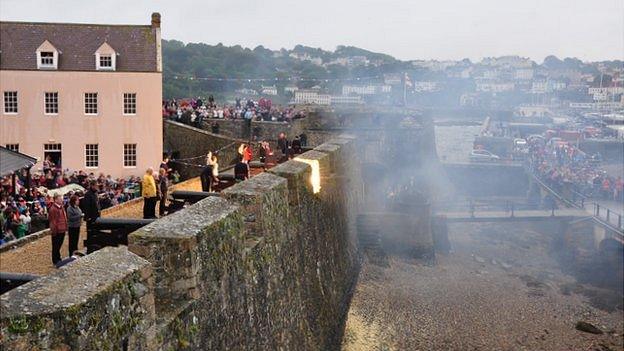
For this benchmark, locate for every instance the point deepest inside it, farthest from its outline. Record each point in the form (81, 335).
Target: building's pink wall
(31, 128)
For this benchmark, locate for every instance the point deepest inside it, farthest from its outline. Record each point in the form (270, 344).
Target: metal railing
(580, 200)
(609, 215)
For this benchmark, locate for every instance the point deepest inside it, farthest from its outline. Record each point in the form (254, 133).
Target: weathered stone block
(171, 245)
(264, 201)
(97, 302)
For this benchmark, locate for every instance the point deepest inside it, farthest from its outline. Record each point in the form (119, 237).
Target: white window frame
(41, 65)
(97, 109)
(45, 103)
(135, 155)
(113, 65)
(12, 147)
(123, 98)
(96, 155)
(4, 102)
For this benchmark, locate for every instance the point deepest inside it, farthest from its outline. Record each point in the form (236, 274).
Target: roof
(135, 45)
(11, 161)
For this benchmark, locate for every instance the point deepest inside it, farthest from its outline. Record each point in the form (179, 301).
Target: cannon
(111, 232)
(10, 281)
(182, 197)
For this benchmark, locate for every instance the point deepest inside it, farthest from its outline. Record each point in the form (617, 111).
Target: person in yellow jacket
(148, 191)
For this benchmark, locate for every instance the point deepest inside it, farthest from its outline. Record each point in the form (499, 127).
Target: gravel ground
(498, 290)
(36, 258)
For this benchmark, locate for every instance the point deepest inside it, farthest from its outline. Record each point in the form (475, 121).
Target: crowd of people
(40, 198)
(196, 111)
(570, 171)
(28, 208)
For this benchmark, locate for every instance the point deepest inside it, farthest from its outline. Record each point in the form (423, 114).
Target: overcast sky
(407, 29)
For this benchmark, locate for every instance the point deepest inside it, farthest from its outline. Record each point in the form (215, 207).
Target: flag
(408, 81)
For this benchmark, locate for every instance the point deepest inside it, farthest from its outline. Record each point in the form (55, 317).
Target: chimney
(155, 20)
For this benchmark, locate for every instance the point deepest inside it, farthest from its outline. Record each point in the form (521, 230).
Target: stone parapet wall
(185, 142)
(101, 302)
(268, 265)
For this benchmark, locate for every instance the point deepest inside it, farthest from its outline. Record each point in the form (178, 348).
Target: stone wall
(183, 142)
(481, 179)
(101, 302)
(259, 130)
(269, 265)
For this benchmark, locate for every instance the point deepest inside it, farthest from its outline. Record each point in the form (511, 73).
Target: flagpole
(404, 89)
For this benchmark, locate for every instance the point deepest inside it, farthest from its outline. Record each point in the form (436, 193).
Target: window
(130, 155)
(92, 158)
(91, 105)
(51, 103)
(10, 102)
(106, 61)
(13, 147)
(52, 147)
(129, 101)
(52, 155)
(47, 58)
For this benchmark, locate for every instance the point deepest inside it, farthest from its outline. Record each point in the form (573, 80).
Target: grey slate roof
(77, 43)
(11, 161)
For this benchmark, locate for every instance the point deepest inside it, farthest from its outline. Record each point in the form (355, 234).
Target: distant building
(346, 100)
(523, 74)
(426, 86)
(246, 91)
(306, 57)
(290, 89)
(370, 89)
(495, 87)
(539, 87)
(605, 90)
(533, 111)
(547, 86)
(311, 96)
(507, 61)
(470, 100)
(434, 65)
(87, 96)
(392, 79)
(269, 90)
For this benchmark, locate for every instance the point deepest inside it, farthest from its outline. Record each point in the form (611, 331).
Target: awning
(11, 161)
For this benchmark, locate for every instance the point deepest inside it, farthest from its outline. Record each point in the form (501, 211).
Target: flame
(315, 178)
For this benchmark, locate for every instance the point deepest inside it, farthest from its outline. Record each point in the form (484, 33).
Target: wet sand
(501, 289)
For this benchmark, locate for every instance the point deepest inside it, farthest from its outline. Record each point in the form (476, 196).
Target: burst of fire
(315, 178)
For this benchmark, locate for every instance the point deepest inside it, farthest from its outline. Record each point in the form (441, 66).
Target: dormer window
(106, 61)
(105, 58)
(47, 56)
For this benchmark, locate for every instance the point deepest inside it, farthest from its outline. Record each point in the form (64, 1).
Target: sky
(592, 30)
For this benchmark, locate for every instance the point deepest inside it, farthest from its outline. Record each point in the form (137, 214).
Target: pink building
(87, 96)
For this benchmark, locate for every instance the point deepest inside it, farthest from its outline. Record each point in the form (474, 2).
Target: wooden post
(14, 184)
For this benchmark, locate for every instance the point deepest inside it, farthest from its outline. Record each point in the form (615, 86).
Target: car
(520, 143)
(483, 156)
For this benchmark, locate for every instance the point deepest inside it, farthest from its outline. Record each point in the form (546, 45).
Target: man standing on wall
(148, 191)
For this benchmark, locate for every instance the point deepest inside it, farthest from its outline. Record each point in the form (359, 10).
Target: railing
(580, 200)
(610, 214)
(475, 206)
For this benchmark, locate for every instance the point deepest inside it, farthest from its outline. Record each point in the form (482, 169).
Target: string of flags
(276, 79)
(183, 161)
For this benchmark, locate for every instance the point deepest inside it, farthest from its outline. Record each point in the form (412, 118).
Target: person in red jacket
(58, 226)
